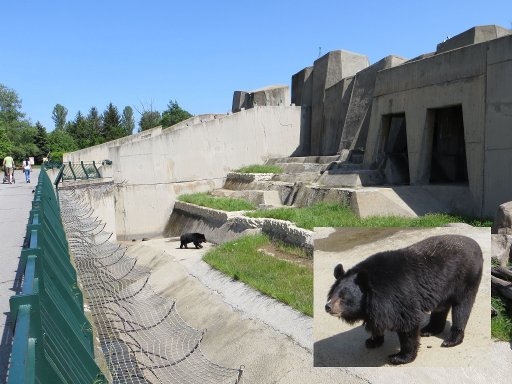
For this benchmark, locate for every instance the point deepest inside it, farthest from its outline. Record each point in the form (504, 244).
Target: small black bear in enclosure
(393, 290)
(196, 238)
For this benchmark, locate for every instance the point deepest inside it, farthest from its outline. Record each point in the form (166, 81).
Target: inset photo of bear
(416, 297)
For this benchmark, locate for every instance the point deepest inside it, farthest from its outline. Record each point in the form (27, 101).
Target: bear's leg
(409, 343)
(181, 245)
(197, 245)
(460, 316)
(375, 341)
(437, 320)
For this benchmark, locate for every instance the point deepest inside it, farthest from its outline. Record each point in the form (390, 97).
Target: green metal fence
(53, 340)
(78, 171)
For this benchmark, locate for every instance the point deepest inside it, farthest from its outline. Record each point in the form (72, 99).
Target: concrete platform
(16, 202)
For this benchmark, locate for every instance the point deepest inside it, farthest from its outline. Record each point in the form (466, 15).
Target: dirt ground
(338, 344)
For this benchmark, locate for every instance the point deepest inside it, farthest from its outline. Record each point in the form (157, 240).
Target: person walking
(26, 169)
(9, 167)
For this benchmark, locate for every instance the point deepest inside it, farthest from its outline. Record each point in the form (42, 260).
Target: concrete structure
(440, 119)
(327, 71)
(274, 95)
(150, 172)
(353, 133)
(445, 119)
(473, 35)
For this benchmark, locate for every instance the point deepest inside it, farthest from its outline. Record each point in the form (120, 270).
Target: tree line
(21, 139)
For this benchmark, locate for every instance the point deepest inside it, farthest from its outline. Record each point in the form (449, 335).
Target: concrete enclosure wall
(149, 174)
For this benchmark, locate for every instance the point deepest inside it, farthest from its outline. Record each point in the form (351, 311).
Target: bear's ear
(338, 271)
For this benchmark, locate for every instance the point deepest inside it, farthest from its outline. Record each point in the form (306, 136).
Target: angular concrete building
(446, 119)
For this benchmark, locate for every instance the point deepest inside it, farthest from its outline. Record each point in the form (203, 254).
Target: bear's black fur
(392, 291)
(196, 238)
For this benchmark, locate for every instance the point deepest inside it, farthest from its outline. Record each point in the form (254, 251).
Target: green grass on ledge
(501, 325)
(282, 280)
(336, 215)
(222, 203)
(257, 168)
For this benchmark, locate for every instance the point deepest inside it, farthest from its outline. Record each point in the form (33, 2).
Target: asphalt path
(15, 205)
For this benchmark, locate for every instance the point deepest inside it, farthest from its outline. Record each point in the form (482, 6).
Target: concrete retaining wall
(149, 173)
(219, 226)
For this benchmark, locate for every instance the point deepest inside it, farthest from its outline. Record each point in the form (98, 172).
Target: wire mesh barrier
(53, 340)
(142, 335)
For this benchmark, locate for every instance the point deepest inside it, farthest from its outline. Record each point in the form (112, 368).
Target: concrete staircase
(307, 180)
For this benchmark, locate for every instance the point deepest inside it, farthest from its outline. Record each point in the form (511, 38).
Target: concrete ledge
(219, 226)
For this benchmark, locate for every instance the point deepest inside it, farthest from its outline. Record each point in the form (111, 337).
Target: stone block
(336, 104)
(274, 95)
(473, 35)
(302, 87)
(327, 71)
(503, 219)
(500, 248)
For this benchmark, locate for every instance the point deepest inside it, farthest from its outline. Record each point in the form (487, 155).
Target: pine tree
(174, 114)
(41, 141)
(127, 121)
(59, 116)
(111, 123)
(94, 126)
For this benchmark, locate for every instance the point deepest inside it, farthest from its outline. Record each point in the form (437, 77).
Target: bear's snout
(328, 308)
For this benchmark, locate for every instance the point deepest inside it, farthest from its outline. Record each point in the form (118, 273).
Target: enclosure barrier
(77, 171)
(53, 340)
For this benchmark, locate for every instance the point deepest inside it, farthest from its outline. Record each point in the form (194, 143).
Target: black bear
(393, 290)
(196, 238)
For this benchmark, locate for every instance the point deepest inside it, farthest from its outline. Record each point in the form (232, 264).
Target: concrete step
(411, 201)
(351, 179)
(302, 160)
(301, 167)
(261, 198)
(303, 177)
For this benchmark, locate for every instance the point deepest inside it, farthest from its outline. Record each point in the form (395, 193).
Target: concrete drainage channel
(135, 291)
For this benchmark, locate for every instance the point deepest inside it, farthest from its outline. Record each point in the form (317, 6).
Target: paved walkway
(15, 205)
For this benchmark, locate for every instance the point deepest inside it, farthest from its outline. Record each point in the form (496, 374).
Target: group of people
(9, 166)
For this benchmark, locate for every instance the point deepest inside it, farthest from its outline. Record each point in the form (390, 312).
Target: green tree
(5, 143)
(174, 114)
(127, 121)
(111, 123)
(79, 130)
(149, 119)
(61, 141)
(10, 107)
(59, 116)
(94, 126)
(41, 142)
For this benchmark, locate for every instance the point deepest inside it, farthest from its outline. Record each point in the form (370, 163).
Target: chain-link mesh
(142, 336)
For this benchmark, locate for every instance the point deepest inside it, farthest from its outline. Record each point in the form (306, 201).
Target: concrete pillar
(327, 71)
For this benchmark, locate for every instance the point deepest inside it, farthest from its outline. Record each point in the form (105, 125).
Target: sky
(144, 54)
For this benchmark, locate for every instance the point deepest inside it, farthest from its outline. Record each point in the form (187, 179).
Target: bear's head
(347, 296)
(201, 238)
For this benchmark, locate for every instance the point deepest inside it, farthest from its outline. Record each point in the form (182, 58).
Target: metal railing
(53, 340)
(77, 171)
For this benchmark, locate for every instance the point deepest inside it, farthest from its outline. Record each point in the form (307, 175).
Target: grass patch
(258, 168)
(222, 203)
(287, 282)
(291, 249)
(501, 325)
(336, 215)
